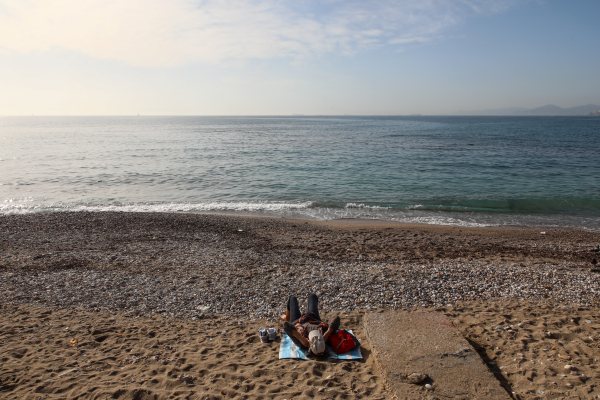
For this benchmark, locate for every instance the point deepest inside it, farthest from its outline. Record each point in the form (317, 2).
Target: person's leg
(293, 308)
(293, 313)
(313, 305)
(296, 337)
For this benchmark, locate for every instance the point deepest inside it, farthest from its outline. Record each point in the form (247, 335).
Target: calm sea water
(472, 171)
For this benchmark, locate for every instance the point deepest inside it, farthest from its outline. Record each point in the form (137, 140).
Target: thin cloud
(176, 32)
(411, 40)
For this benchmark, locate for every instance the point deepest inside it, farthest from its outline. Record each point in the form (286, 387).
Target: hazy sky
(209, 57)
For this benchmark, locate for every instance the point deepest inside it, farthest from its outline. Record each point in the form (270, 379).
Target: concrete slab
(404, 343)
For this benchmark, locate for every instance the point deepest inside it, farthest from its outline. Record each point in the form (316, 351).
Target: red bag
(341, 341)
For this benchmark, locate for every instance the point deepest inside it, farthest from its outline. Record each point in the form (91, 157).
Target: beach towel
(287, 349)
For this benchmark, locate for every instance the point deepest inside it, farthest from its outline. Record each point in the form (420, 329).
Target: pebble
(416, 378)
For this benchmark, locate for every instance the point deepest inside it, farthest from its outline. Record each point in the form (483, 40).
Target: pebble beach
(189, 277)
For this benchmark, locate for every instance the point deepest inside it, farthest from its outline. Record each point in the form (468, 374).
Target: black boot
(335, 324)
(289, 328)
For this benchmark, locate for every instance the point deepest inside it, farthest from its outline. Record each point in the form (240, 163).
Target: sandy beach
(166, 305)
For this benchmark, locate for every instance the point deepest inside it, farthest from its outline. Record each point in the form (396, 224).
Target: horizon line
(457, 114)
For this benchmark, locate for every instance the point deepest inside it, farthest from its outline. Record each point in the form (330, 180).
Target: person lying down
(308, 330)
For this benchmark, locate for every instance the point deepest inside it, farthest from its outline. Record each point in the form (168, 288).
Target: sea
(449, 170)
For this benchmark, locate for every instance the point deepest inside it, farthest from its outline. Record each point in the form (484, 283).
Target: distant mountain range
(549, 109)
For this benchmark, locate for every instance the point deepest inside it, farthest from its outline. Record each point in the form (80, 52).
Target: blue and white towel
(287, 349)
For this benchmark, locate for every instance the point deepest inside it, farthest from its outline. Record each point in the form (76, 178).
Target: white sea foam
(367, 207)
(25, 206)
(308, 210)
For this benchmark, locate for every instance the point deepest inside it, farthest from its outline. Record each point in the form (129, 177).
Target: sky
(326, 57)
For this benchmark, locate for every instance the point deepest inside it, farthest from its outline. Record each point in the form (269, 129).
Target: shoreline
(485, 220)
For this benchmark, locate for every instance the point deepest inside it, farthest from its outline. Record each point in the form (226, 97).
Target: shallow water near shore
(466, 171)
